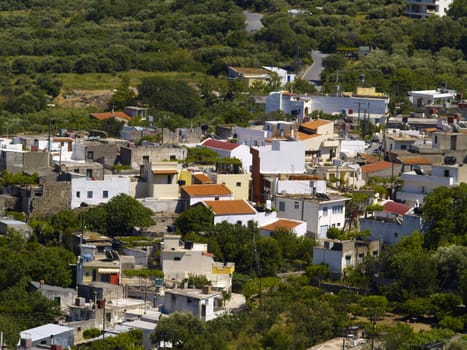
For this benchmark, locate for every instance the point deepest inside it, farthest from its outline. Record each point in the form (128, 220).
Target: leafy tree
(182, 330)
(123, 213)
(270, 256)
(445, 210)
(318, 272)
(451, 263)
(131, 340)
(195, 219)
(124, 96)
(170, 95)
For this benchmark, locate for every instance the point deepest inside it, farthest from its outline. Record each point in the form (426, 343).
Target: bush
(91, 333)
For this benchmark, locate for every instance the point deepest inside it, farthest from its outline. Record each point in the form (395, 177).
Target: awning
(164, 171)
(107, 271)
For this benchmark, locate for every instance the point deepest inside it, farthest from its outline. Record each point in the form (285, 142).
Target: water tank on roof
(449, 160)
(188, 244)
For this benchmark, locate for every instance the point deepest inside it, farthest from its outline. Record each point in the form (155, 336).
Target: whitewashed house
(230, 150)
(320, 211)
(180, 259)
(204, 304)
(92, 191)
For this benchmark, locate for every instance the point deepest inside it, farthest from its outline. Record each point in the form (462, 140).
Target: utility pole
(358, 111)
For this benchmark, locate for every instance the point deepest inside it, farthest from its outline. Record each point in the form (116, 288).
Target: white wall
(251, 137)
(234, 219)
(286, 157)
(332, 258)
(300, 186)
(312, 211)
(113, 184)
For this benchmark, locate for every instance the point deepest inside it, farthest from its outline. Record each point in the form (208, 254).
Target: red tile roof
(315, 124)
(281, 223)
(108, 115)
(397, 208)
(206, 190)
(232, 207)
(414, 161)
(305, 136)
(164, 171)
(378, 166)
(203, 178)
(223, 145)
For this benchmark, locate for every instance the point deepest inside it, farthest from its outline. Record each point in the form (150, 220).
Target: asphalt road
(253, 21)
(313, 72)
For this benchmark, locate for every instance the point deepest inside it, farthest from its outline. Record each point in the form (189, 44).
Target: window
(348, 259)
(76, 171)
(339, 209)
(78, 194)
(188, 300)
(145, 159)
(446, 173)
(90, 194)
(403, 146)
(177, 258)
(375, 253)
(325, 211)
(105, 194)
(296, 205)
(281, 206)
(90, 155)
(436, 139)
(173, 158)
(360, 257)
(396, 235)
(338, 224)
(238, 184)
(88, 173)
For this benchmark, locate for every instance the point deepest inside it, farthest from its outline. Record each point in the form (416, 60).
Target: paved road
(313, 72)
(253, 21)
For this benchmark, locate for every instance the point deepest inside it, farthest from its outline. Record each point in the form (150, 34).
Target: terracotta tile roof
(431, 129)
(203, 178)
(62, 139)
(368, 157)
(108, 115)
(281, 223)
(224, 145)
(206, 190)
(397, 208)
(304, 136)
(232, 207)
(165, 171)
(378, 166)
(314, 124)
(414, 161)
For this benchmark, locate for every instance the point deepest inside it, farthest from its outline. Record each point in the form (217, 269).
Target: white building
(282, 157)
(366, 103)
(295, 226)
(418, 183)
(320, 211)
(233, 211)
(204, 304)
(296, 105)
(424, 8)
(422, 98)
(339, 255)
(193, 194)
(181, 259)
(94, 192)
(284, 76)
(230, 150)
(258, 135)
